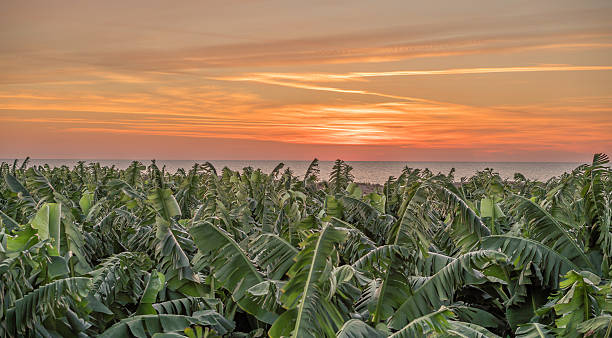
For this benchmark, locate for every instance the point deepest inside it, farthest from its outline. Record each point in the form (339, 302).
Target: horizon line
(280, 161)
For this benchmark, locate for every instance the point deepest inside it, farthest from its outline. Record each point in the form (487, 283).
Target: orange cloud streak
(417, 124)
(316, 77)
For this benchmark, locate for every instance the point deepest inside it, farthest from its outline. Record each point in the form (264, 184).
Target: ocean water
(364, 171)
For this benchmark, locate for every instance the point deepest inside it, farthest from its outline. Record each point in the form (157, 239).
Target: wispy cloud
(355, 49)
(134, 65)
(322, 77)
(417, 124)
(308, 80)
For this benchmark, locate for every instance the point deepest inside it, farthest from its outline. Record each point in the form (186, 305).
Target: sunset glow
(274, 80)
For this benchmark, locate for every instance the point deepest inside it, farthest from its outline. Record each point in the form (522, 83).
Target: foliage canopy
(142, 252)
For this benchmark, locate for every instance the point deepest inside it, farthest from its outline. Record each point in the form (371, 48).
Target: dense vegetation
(140, 252)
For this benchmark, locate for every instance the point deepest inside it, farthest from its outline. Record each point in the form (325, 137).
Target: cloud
(306, 80)
(416, 124)
(331, 50)
(147, 64)
(271, 78)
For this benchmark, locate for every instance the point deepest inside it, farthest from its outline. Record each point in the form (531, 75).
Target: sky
(293, 80)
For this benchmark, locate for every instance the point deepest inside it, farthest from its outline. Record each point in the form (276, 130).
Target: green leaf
(354, 190)
(597, 324)
(488, 208)
(315, 315)
(355, 328)
(172, 257)
(154, 286)
(47, 222)
(523, 252)
(14, 185)
(86, 202)
(145, 325)
(577, 302)
(120, 277)
(273, 254)
(476, 316)
(377, 201)
(333, 207)
(20, 240)
(533, 330)
(186, 306)
(164, 202)
(284, 324)
(441, 287)
(467, 228)
(467, 330)
(230, 266)
(35, 306)
(543, 227)
(7, 221)
(435, 322)
(58, 266)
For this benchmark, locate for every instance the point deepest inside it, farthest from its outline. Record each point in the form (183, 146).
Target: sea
(376, 172)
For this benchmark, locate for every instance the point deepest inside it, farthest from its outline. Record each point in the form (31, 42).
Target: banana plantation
(212, 252)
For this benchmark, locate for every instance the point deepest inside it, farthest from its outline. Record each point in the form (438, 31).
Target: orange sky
(358, 80)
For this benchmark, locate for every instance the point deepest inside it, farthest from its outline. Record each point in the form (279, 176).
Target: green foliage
(526, 254)
(50, 299)
(434, 290)
(543, 227)
(141, 252)
(467, 227)
(534, 330)
(431, 323)
(355, 328)
(580, 300)
(154, 286)
(148, 325)
(230, 266)
(340, 176)
(315, 316)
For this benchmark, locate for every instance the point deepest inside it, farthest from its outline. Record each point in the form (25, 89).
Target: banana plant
(141, 251)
